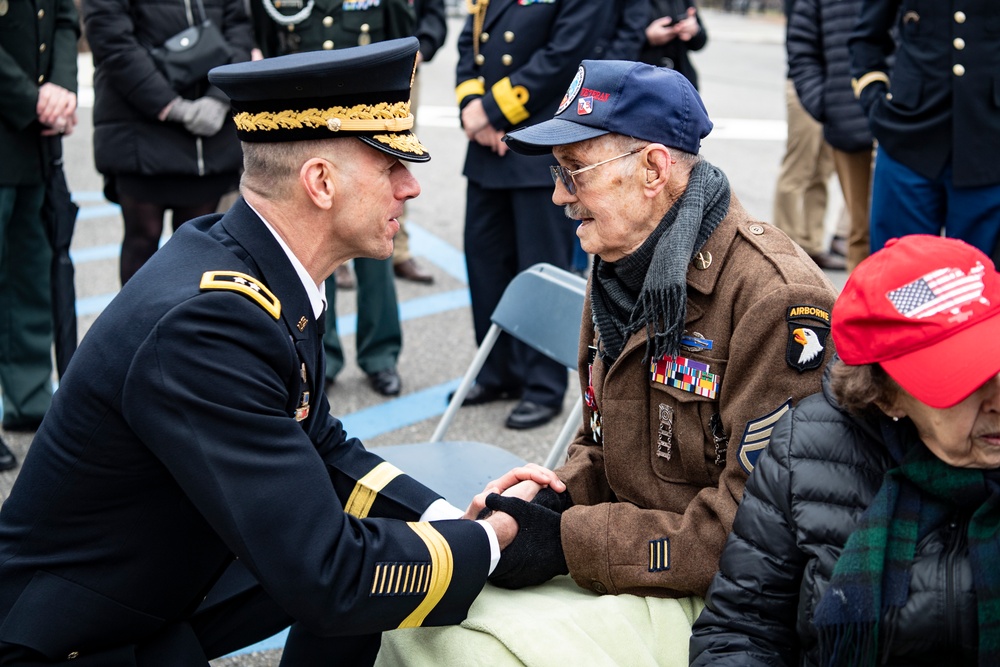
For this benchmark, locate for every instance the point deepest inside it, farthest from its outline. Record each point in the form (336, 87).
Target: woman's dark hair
(859, 389)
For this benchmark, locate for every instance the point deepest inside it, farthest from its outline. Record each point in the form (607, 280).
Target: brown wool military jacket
(656, 492)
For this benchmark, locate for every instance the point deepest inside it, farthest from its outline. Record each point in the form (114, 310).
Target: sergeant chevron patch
(757, 435)
(401, 579)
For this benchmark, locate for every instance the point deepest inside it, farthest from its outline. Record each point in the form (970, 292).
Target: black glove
(536, 554)
(557, 502)
(871, 95)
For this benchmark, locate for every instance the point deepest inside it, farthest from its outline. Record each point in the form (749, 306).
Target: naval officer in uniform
(515, 58)
(191, 428)
(283, 27)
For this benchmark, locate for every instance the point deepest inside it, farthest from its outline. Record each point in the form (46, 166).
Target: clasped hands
(56, 109)
(525, 507)
(477, 128)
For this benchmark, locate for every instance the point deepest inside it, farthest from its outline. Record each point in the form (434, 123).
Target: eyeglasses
(564, 175)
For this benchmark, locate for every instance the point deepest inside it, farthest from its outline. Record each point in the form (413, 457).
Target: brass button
(41, 14)
(327, 21)
(959, 17)
(328, 44)
(73, 655)
(484, 37)
(481, 79)
(365, 27)
(507, 59)
(757, 229)
(888, 96)
(508, 37)
(41, 79)
(703, 260)
(599, 587)
(958, 69)
(959, 43)
(480, 59)
(41, 47)
(291, 28)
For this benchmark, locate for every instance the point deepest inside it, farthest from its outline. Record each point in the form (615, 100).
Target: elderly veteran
(702, 326)
(868, 534)
(192, 430)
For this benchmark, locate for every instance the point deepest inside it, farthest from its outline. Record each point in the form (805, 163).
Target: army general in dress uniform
(191, 428)
(515, 58)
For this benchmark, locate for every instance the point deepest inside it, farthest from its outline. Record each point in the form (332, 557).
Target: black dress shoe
(386, 382)
(838, 246)
(829, 261)
(408, 269)
(480, 394)
(7, 458)
(529, 414)
(27, 426)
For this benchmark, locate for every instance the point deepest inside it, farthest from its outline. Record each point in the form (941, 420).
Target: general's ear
(656, 161)
(316, 177)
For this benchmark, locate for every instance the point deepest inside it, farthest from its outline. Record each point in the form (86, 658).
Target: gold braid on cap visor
(360, 118)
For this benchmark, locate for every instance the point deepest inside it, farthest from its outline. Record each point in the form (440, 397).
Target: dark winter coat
(819, 65)
(129, 91)
(820, 472)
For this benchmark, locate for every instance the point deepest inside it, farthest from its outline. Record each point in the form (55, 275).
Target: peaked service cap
(361, 92)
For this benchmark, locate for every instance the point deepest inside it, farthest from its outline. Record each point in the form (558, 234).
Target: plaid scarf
(872, 576)
(648, 289)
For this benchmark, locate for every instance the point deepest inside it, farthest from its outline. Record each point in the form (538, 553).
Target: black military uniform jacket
(291, 26)
(37, 45)
(940, 101)
(519, 56)
(174, 444)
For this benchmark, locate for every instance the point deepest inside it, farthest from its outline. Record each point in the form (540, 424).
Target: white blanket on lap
(557, 624)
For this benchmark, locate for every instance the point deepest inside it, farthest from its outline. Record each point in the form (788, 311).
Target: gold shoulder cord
(478, 10)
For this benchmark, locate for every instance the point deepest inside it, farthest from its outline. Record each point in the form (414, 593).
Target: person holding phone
(673, 29)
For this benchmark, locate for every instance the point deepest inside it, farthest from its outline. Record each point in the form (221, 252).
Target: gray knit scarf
(648, 289)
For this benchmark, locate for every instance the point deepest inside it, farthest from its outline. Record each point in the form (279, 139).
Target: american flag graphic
(938, 291)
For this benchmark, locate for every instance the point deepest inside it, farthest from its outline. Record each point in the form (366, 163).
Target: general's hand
(56, 107)
(541, 477)
(505, 528)
(474, 118)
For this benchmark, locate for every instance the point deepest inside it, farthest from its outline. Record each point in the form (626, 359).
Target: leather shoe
(386, 382)
(829, 261)
(408, 269)
(528, 414)
(480, 394)
(7, 458)
(343, 277)
(838, 246)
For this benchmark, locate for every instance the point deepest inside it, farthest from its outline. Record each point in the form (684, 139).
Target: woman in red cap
(869, 532)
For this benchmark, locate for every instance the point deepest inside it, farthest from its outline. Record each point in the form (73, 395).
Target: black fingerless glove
(871, 95)
(536, 554)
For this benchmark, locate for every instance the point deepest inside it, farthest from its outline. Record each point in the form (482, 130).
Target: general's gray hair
(270, 169)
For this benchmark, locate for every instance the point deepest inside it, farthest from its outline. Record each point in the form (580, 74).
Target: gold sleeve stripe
(470, 87)
(511, 100)
(365, 492)
(244, 284)
(441, 569)
(871, 77)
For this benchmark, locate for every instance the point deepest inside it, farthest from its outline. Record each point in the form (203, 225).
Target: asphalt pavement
(742, 75)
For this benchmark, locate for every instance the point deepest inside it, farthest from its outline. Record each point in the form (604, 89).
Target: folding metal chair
(542, 307)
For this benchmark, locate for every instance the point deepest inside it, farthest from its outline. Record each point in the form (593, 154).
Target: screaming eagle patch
(808, 327)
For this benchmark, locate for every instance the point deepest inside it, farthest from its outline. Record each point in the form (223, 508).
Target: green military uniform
(37, 45)
(290, 26)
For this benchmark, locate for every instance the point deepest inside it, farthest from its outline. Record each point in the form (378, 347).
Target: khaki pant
(854, 170)
(800, 195)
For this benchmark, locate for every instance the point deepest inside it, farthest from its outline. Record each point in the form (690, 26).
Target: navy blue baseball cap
(362, 92)
(638, 100)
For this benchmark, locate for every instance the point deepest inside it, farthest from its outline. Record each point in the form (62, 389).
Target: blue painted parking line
(438, 251)
(92, 212)
(89, 197)
(95, 253)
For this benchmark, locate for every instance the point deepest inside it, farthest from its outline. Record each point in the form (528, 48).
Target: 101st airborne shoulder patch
(808, 327)
(244, 284)
(757, 436)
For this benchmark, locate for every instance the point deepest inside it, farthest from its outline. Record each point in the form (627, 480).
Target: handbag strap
(201, 10)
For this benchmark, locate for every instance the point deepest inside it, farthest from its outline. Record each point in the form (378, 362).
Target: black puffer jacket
(804, 498)
(129, 91)
(819, 64)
